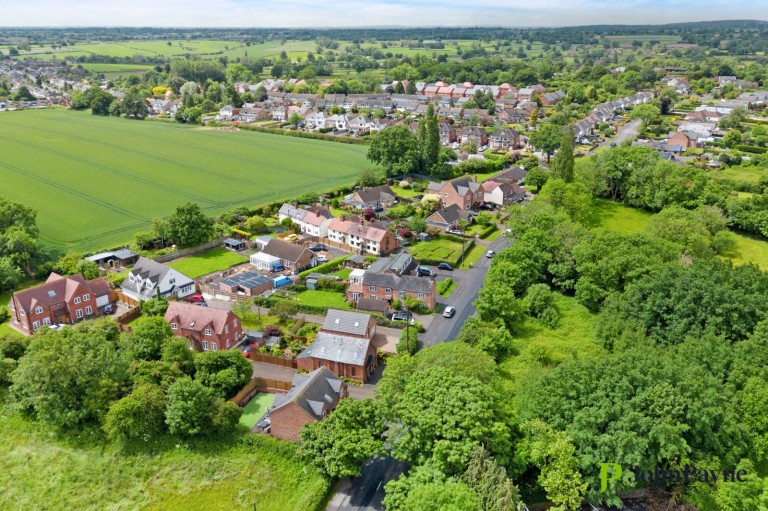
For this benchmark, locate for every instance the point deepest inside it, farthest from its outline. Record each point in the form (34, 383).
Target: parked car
(264, 425)
(403, 316)
(317, 247)
(291, 237)
(196, 298)
(423, 271)
(445, 266)
(201, 304)
(108, 309)
(489, 254)
(472, 212)
(448, 312)
(322, 258)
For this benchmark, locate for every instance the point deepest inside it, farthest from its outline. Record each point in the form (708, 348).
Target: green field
(96, 181)
(255, 408)
(252, 472)
(208, 262)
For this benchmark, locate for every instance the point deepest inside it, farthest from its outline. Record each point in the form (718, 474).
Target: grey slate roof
(352, 323)
(338, 348)
(153, 271)
(292, 212)
(284, 250)
(314, 393)
(249, 279)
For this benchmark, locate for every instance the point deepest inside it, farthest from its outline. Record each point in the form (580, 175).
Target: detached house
(360, 238)
(312, 397)
(206, 328)
(685, 139)
(502, 193)
(464, 192)
(447, 219)
(379, 196)
(344, 345)
(387, 286)
(61, 300)
(310, 222)
(474, 134)
(278, 254)
(147, 276)
(504, 138)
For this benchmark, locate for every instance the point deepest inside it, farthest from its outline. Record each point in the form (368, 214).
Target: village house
(399, 264)
(447, 219)
(514, 175)
(344, 344)
(379, 196)
(551, 98)
(278, 254)
(311, 222)
(148, 278)
(502, 193)
(684, 139)
(388, 287)
(473, 135)
(206, 328)
(464, 192)
(315, 120)
(359, 124)
(61, 300)
(447, 133)
(312, 397)
(504, 138)
(360, 238)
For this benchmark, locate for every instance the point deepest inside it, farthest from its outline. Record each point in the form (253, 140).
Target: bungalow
(397, 265)
(312, 397)
(117, 259)
(464, 192)
(684, 139)
(502, 193)
(504, 138)
(310, 222)
(514, 175)
(344, 345)
(388, 287)
(246, 284)
(206, 328)
(61, 300)
(379, 196)
(448, 219)
(290, 256)
(360, 238)
(147, 278)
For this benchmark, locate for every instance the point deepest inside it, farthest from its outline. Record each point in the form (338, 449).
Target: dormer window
(38, 310)
(207, 331)
(173, 326)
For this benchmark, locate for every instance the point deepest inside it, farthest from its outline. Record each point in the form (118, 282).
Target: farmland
(96, 181)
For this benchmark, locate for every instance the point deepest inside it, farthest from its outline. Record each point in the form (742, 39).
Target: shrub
(273, 331)
(115, 279)
(409, 341)
(404, 232)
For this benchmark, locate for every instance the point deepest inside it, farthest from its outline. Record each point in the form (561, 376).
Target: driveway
(367, 491)
(468, 283)
(627, 132)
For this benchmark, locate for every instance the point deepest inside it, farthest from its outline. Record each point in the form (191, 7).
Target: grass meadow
(216, 259)
(43, 471)
(96, 181)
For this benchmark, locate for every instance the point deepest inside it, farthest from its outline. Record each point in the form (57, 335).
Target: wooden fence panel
(269, 359)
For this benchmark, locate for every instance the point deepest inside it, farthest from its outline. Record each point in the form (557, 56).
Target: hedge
(457, 261)
(328, 267)
(488, 231)
(409, 341)
(751, 149)
(304, 134)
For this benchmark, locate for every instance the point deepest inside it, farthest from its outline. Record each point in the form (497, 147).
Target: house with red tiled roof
(206, 328)
(61, 300)
(360, 237)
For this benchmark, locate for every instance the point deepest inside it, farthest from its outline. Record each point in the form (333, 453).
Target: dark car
(201, 304)
(317, 247)
(378, 209)
(423, 271)
(445, 266)
(402, 316)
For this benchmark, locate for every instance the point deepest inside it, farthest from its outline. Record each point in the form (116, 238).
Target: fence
(253, 386)
(184, 252)
(269, 359)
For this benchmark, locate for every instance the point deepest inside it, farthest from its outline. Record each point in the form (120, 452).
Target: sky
(356, 13)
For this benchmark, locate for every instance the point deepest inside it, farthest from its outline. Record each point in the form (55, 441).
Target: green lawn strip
(255, 408)
(208, 262)
(472, 256)
(406, 193)
(749, 249)
(539, 348)
(342, 274)
(446, 287)
(43, 472)
(436, 250)
(322, 298)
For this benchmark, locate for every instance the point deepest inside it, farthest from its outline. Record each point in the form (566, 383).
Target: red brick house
(464, 192)
(684, 139)
(344, 345)
(206, 328)
(388, 287)
(61, 300)
(447, 219)
(312, 397)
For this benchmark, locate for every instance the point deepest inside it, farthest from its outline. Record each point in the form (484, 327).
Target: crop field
(96, 181)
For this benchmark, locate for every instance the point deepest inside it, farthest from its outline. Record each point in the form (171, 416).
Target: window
(372, 297)
(355, 297)
(205, 345)
(38, 310)
(22, 312)
(214, 347)
(228, 343)
(173, 326)
(207, 331)
(421, 296)
(226, 329)
(131, 278)
(77, 299)
(372, 288)
(234, 323)
(389, 290)
(35, 325)
(89, 310)
(79, 313)
(86, 297)
(172, 281)
(46, 321)
(354, 371)
(402, 294)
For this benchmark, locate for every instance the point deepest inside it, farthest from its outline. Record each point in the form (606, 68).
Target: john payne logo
(669, 477)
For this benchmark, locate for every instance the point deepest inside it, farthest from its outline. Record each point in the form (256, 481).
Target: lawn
(119, 174)
(476, 253)
(322, 298)
(342, 274)
(437, 250)
(750, 249)
(245, 473)
(255, 408)
(617, 217)
(540, 348)
(208, 262)
(406, 193)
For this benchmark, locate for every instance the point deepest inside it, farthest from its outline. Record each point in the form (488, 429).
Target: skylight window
(51, 293)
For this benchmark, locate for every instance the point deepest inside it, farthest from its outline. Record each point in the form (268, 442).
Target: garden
(217, 259)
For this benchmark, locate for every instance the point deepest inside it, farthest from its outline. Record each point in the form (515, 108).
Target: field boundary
(184, 252)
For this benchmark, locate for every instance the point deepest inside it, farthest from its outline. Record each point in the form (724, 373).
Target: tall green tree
(563, 164)
(188, 226)
(431, 142)
(547, 138)
(139, 415)
(224, 372)
(397, 150)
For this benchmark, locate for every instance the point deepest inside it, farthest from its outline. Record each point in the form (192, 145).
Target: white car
(448, 312)
(322, 258)
(489, 254)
